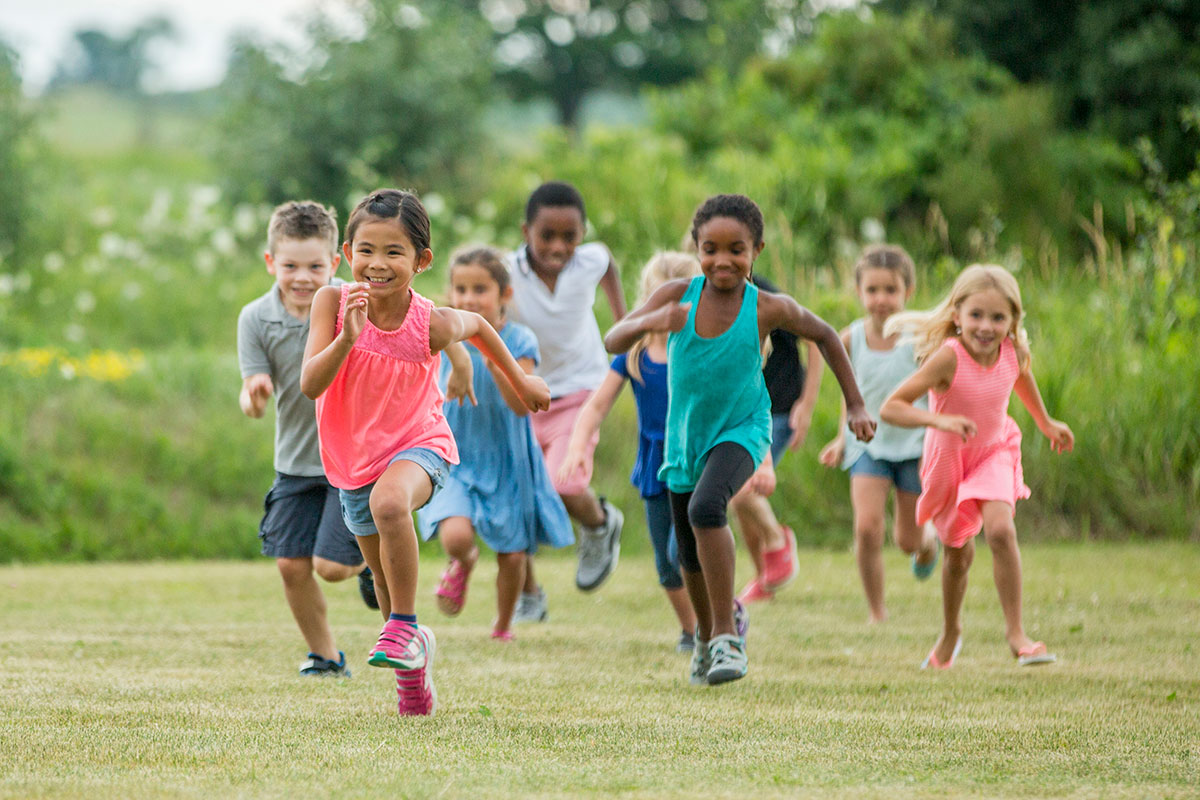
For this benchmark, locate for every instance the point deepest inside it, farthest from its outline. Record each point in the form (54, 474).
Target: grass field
(179, 680)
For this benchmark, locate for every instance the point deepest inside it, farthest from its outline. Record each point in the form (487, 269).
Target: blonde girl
(974, 352)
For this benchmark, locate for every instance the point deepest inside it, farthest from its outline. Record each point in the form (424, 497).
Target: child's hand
(1060, 436)
(762, 482)
(355, 318)
(460, 385)
(572, 463)
(963, 427)
(831, 454)
(534, 392)
(669, 319)
(861, 424)
(258, 389)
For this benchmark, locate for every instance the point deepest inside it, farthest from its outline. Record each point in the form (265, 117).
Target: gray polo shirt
(271, 341)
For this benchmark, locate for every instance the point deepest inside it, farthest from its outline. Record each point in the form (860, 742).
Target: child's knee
(294, 570)
(389, 508)
(1001, 535)
(959, 559)
(868, 529)
(707, 512)
(332, 571)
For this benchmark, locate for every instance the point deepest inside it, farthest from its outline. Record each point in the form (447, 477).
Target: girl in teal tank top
(719, 413)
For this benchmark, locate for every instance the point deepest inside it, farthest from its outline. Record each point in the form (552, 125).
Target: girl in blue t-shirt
(501, 490)
(645, 366)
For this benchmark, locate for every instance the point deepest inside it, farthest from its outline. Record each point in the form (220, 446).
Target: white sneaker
(728, 657)
(532, 607)
(599, 548)
(701, 662)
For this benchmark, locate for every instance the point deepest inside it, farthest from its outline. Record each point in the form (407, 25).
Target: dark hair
(392, 204)
(553, 193)
(482, 255)
(886, 256)
(302, 219)
(734, 206)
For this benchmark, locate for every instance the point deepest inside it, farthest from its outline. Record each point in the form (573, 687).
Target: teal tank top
(878, 373)
(716, 392)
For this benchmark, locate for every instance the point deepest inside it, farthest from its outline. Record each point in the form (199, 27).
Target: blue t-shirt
(650, 395)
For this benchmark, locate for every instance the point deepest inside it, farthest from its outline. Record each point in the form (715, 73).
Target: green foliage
(119, 63)
(16, 159)
(399, 105)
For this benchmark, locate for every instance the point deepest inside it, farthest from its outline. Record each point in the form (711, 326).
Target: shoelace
(410, 689)
(392, 640)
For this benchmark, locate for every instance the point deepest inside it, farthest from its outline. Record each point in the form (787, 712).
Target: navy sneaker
(317, 667)
(366, 587)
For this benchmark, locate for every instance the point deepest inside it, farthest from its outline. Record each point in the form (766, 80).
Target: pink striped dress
(957, 476)
(383, 400)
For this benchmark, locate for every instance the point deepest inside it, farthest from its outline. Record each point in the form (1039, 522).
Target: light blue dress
(878, 373)
(502, 484)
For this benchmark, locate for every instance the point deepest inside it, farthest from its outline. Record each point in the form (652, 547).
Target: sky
(41, 32)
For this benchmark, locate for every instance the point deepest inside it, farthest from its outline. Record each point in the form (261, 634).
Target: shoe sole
(447, 606)
(612, 565)
(716, 677)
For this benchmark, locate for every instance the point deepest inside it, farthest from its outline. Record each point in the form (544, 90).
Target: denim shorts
(906, 475)
(356, 503)
(781, 431)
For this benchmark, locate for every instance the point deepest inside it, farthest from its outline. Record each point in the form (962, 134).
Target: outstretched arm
(449, 325)
(460, 384)
(1062, 440)
(936, 373)
(831, 454)
(324, 353)
(662, 312)
(611, 284)
(588, 422)
(511, 398)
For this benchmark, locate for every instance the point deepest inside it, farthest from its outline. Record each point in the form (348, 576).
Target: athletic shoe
(686, 643)
(923, 571)
(451, 591)
(701, 662)
(399, 647)
(366, 587)
(779, 566)
(728, 659)
(741, 619)
(532, 607)
(317, 667)
(417, 696)
(599, 548)
(754, 593)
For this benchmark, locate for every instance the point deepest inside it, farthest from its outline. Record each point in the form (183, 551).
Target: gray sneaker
(599, 548)
(701, 662)
(741, 618)
(532, 607)
(727, 653)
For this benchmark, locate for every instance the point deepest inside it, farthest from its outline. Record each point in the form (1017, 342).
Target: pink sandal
(451, 592)
(931, 661)
(1034, 654)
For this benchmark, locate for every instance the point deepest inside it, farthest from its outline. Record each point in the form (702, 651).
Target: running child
(719, 412)
(554, 280)
(884, 279)
(302, 526)
(371, 364)
(645, 367)
(974, 352)
(500, 490)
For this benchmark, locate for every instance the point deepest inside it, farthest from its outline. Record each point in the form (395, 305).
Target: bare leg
(403, 488)
(868, 496)
(584, 508)
(683, 608)
(954, 589)
(911, 537)
(457, 536)
(697, 592)
(369, 545)
(1001, 536)
(760, 529)
(716, 551)
(529, 582)
(333, 572)
(509, 578)
(307, 603)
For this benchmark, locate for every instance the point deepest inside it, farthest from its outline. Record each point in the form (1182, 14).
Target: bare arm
(611, 284)
(936, 373)
(449, 325)
(831, 454)
(325, 353)
(256, 389)
(662, 312)
(511, 398)
(588, 422)
(1062, 440)
(460, 385)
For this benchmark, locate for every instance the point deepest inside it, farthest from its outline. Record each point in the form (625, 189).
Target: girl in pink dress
(973, 353)
(371, 364)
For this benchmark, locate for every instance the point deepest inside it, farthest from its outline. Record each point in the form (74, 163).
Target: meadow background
(132, 224)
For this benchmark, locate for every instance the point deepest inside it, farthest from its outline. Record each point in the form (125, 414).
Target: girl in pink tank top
(973, 353)
(371, 364)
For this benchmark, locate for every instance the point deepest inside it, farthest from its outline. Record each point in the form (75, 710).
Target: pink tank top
(384, 399)
(980, 393)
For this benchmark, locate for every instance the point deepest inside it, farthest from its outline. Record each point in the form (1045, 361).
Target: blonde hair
(667, 265)
(931, 328)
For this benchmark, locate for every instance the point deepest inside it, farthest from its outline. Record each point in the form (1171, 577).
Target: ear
(507, 294)
(335, 258)
(270, 259)
(425, 259)
(346, 250)
(525, 231)
(758, 248)
(908, 293)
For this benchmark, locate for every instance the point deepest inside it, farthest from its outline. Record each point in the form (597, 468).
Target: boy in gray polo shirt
(302, 526)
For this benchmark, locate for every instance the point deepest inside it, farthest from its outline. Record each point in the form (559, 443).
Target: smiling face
(472, 288)
(552, 236)
(882, 292)
(986, 318)
(727, 250)
(383, 256)
(300, 267)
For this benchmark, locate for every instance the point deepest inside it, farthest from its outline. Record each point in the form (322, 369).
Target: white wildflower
(53, 262)
(131, 290)
(6, 285)
(206, 262)
(224, 242)
(112, 245)
(73, 333)
(872, 230)
(435, 204)
(103, 217)
(85, 301)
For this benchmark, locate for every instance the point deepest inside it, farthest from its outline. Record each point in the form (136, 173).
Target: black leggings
(726, 470)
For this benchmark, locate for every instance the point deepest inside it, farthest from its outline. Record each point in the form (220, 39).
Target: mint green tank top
(716, 392)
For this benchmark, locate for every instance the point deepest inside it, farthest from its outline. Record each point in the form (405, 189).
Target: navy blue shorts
(302, 519)
(906, 475)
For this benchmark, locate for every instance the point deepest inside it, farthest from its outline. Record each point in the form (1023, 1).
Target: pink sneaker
(754, 592)
(451, 592)
(502, 636)
(417, 696)
(399, 646)
(780, 565)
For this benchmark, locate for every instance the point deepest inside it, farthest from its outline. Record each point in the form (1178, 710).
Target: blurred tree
(1126, 67)
(564, 49)
(115, 62)
(16, 133)
(397, 101)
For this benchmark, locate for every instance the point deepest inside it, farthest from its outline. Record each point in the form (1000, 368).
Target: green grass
(178, 680)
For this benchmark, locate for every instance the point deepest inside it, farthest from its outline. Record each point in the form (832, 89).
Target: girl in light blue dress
(501, 490)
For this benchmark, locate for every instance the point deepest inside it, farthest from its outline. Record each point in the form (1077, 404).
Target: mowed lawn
(179, 680)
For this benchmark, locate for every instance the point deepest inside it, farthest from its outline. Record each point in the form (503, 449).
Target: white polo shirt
(573, 356)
